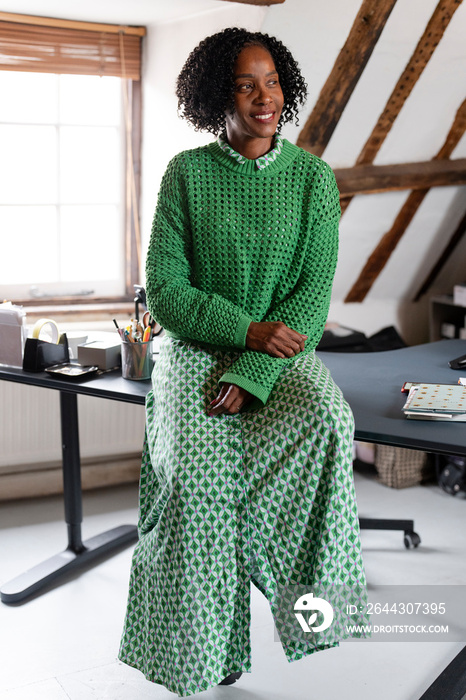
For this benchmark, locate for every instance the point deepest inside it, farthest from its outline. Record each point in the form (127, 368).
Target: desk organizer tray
(72, 371)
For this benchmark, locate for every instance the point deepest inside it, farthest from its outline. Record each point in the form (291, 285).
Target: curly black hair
(205, 86)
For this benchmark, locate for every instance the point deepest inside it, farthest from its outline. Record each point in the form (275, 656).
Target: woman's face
(258, 97)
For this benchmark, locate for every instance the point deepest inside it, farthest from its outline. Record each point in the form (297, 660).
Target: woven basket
(399, 468)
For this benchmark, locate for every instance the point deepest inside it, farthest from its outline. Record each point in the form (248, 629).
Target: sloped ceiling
(420, 178)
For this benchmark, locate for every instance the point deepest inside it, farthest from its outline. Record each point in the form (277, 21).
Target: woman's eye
(245, 86)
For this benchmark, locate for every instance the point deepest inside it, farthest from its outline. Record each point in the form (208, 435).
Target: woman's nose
(263, 95)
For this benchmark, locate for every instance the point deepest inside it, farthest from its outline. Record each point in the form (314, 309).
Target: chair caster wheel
(411, 540)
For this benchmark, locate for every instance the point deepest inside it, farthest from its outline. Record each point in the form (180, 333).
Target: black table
(77, 553)
(371, 383)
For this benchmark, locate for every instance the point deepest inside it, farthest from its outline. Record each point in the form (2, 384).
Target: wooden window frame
(132, 92)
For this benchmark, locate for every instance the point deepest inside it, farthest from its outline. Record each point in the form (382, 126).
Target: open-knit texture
(232, 244)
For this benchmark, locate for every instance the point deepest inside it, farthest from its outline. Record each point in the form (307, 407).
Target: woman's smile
(267, 116)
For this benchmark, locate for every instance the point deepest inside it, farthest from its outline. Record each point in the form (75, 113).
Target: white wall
(315, 33)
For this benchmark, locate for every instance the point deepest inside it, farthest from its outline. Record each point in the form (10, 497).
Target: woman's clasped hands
(275, 339)
(272, 337)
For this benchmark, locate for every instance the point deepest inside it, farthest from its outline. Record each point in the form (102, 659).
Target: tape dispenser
(50, 349)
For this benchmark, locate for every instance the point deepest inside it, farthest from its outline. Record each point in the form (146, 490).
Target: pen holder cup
(136, 360)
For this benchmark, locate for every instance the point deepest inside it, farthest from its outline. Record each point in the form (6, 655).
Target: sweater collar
(261, 162)
(249, 168)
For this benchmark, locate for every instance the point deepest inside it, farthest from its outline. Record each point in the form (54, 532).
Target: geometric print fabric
(261, 162)
(265, 496)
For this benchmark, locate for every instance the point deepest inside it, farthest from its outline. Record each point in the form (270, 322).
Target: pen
(121, 331)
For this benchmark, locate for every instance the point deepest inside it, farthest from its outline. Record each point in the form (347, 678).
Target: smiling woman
(247, 463)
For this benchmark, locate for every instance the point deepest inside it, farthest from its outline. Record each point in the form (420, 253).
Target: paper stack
(12, 334)
(445, 402)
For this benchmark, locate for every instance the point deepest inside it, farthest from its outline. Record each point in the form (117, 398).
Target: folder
(12, 334)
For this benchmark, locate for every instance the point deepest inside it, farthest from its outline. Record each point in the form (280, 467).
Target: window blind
(43, 45)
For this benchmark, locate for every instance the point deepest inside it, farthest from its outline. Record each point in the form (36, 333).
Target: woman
(246, 470)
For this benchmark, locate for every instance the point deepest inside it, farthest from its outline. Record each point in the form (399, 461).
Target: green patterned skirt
(265, 496)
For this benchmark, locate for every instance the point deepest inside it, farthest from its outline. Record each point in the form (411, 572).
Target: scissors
(148, 322)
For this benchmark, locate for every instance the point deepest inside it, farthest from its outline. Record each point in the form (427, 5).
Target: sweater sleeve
(172, 300)
(306, 308)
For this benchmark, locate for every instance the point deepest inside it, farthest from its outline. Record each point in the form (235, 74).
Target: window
(68, 205)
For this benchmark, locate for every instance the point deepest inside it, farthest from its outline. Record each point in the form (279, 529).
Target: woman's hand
(230, 400)
(274, 338)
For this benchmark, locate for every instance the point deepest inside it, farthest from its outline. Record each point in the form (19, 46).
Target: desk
(77, 553)
(371, 383)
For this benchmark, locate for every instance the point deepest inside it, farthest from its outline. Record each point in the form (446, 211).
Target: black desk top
(110, 385)
(371, 383)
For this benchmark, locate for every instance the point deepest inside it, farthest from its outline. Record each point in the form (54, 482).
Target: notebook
(436, 402)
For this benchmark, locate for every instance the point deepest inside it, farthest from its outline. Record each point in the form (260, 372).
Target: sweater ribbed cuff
(257, 390)
(241, 332)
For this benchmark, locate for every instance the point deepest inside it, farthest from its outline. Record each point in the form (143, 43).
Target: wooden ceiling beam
(422, 54)
(339, 86)
(456, 238)
(379, 257)
(370, 179)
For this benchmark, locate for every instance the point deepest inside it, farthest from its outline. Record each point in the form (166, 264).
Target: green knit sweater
(232, 244)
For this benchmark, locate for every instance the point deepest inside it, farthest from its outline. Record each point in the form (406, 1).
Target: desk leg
(71, 459)
(78, 553)
(451, 683)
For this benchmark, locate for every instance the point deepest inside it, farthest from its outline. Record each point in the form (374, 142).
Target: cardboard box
(459, 294)
(106, 354)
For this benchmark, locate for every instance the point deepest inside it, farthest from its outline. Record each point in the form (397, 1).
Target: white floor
(63, 644)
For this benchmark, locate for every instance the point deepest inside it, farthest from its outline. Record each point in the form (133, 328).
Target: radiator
(110, 431)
